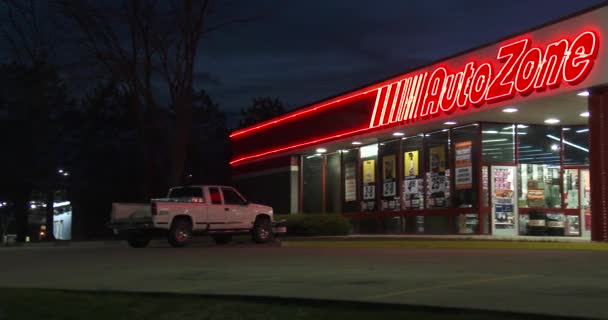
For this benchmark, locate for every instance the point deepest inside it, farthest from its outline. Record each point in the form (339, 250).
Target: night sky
(304, 51)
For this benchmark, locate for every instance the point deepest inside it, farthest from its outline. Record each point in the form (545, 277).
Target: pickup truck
(219, 211)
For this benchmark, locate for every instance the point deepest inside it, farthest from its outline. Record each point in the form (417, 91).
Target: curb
(522, 239)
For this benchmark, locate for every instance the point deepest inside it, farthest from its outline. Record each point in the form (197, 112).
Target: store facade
(506, 139)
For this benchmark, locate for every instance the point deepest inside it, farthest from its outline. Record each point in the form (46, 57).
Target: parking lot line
(444, 286)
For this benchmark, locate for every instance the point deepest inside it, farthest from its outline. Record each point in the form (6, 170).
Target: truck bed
(130, 213)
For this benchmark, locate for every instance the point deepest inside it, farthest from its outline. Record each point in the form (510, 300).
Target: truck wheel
(262, 230)
(138, 240)
(222, 238)
(180, 233)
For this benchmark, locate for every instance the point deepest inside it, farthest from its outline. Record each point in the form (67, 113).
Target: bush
(315, 224)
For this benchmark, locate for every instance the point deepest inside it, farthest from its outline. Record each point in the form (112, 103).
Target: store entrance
(577, 200)
(585, 203)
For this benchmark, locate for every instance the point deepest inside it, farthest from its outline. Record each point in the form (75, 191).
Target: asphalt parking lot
(569, 283)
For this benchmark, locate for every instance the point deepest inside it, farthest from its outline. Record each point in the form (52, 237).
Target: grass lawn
(56, 304)
(443, 244)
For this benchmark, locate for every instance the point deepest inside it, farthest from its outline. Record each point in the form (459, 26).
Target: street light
(60, 170)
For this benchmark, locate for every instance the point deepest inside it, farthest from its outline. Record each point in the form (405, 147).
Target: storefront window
(437, 169)
(412, 185)
(389, 153)
(576, 145)
(350, 159)
(312, 184)
(369, 159)
(332, 183)
(464, 145)
(539, 166)
(498, 143)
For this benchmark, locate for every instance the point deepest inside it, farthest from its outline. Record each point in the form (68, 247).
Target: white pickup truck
(219, 211)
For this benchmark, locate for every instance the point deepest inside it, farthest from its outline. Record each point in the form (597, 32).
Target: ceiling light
(509, 110)
(566, 142)
(552, 121)
(554, 147)
(398, 134)
(356, 143)
(565, 129)
(583, 93)
(582, 130)
(321, 150)
(490, 131)
(522, 126)
(584, 114)
(450, 123)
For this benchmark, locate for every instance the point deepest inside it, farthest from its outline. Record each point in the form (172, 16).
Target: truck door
(216, 211)
(236, 206)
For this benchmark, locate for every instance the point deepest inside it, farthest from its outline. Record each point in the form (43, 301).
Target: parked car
(219, 211)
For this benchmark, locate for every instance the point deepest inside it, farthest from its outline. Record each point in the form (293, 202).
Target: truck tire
(222, 238)
(180, 233)
(138, 240)
(262, 230)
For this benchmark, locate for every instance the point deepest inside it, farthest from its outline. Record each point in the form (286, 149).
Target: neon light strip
(481, 83)
(297, 114)
(299, 145)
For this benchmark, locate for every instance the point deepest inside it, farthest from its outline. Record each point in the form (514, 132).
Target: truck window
(214, 193)
(231, 197)
(186, 192)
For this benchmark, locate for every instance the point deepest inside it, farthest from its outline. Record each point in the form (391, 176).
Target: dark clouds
(303, 51)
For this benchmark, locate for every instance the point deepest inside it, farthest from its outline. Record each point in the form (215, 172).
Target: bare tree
(150, 44)
(261, 108)
(27, 29)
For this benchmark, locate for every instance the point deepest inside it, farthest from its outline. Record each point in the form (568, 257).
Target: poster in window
(389, 168)
(389, 185)
(410, 161)
(464, 169)
(369, 192)
(503, 197)
(412, 193)
(437, 159)
(369, 167)
(350, 182)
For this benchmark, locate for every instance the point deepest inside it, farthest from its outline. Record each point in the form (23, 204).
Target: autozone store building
(507, 139)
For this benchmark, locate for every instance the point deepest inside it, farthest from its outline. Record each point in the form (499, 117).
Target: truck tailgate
(130, 213)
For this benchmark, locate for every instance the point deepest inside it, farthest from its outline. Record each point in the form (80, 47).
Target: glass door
(503, 201)
(585, 193)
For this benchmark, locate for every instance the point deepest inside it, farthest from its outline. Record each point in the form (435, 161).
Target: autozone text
(521, 69)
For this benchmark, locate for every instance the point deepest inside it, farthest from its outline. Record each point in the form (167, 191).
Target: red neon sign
(520, 68)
